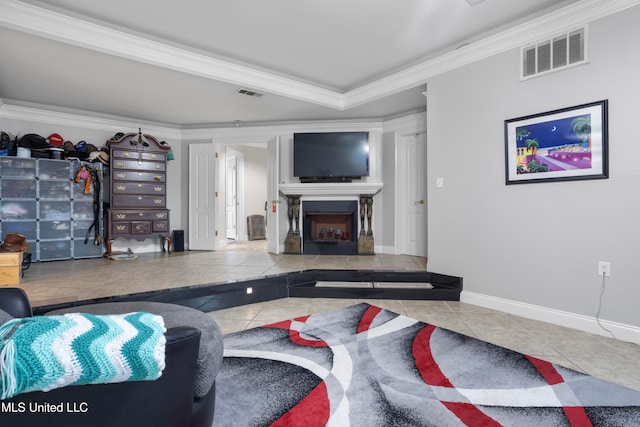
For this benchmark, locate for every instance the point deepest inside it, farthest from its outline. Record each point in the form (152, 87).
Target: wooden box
(10, 268)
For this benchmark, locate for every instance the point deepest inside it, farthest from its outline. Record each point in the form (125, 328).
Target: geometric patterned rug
(366, 366)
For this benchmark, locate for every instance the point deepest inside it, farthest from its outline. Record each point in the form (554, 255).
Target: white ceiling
(182, 63)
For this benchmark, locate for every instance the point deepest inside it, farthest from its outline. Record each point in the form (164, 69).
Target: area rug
(365, 366)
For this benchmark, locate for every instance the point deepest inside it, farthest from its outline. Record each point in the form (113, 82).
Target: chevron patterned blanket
(48, 352)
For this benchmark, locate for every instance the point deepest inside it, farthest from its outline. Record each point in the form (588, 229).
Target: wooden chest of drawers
(136, 222)
(138, 188)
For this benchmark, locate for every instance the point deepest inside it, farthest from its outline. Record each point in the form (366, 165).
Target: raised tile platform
(216, 296)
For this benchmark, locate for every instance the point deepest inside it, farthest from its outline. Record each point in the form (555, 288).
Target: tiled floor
(55, 282)
(63, 281)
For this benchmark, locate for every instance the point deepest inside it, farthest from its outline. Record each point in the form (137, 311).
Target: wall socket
(604, 268)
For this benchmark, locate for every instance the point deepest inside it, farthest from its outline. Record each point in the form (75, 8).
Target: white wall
(533, 248)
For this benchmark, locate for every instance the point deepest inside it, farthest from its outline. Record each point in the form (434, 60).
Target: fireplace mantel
(331, 188)
(298, 194)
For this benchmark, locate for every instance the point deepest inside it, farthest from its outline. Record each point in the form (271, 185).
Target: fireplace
(312, 207)
(330, 227)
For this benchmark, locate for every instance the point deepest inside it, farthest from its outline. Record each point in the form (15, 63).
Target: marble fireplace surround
(330, 191)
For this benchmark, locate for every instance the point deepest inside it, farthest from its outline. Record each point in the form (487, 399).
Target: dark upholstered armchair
(183, 396)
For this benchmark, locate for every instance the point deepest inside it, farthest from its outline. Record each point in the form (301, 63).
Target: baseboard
(383, 249)
(621, 331)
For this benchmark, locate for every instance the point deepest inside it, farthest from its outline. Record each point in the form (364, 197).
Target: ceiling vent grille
(553, 54)
(249, 92)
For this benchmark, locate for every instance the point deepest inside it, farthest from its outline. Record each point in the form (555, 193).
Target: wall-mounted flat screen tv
(337, 156)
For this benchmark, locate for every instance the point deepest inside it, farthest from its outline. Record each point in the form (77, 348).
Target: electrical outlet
(604, 268)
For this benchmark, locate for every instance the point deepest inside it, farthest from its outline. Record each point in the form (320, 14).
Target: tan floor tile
(63, 281)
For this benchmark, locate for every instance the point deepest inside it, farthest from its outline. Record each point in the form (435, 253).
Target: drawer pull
(120, 227)
(120, 175)
(139, 185)
(153, 156)
(121, 164)
(139, 197)
(121, 216)
(121, 187)
(157, 188)
(158, 201)
(140, 214)
(157, 177)
(160, 215)
(126, 154)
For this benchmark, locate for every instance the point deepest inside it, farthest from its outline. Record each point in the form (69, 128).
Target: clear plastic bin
(53, 250)
(54, 190)
(17, 167)
(27, 228)
(18, 188)
(81, 227)
(54, 229)
(54, 169)
(18, 209)
(55, 210)
(82, 210)
(78, 193)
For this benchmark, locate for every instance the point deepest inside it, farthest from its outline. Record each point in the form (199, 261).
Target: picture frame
(560, 145)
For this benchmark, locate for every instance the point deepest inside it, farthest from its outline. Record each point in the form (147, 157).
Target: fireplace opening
(330, 227)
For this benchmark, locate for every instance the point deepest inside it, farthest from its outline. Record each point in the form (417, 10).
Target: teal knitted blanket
(48, 352)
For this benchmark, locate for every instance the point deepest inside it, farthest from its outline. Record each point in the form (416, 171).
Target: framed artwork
(560, 145)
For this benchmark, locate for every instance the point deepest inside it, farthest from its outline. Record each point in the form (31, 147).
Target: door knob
(420, 202)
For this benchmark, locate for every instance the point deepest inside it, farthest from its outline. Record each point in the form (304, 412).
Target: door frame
(273, 196)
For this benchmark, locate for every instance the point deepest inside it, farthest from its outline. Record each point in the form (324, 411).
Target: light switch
(439, 182)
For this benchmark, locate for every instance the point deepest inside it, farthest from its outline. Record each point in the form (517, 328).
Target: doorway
(244, 189)
(212, 215)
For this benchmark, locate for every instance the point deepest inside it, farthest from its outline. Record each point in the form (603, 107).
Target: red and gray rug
(365, 366)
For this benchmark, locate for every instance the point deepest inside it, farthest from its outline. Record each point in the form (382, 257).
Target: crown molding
(46, 116)
(574, 15)
(261, 134)
(411, 123)
(247, 133)
(42, 22)
(35, 20)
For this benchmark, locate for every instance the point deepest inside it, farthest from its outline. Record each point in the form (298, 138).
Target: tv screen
(331, 155)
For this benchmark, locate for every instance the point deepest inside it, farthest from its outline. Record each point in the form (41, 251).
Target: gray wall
(538, 244)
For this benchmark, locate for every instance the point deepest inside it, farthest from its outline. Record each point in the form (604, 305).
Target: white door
(232, 197)
(416, 194)
(273, 195)
(202, 197)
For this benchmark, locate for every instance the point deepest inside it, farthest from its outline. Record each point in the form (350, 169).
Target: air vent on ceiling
(249, 92)
(556, 53)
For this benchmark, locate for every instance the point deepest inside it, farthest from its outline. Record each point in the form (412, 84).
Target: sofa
(184, 395)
